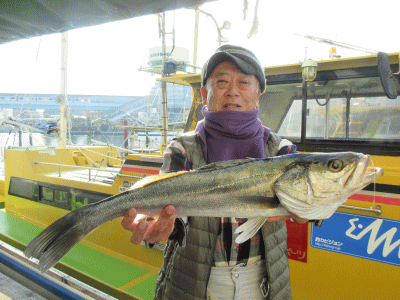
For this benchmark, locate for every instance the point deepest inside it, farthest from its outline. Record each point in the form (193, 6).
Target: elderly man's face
(229, 89)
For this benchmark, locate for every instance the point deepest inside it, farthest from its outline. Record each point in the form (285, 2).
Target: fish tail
(61, 236)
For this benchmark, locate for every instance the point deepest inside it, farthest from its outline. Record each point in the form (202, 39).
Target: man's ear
(204, 94)
(258, 98)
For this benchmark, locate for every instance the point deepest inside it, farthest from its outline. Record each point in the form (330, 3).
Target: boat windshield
(346, 109)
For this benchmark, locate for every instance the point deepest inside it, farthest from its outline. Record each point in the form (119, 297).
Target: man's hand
(151, 231)
(291, 216)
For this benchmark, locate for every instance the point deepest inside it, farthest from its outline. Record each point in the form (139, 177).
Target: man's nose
(232, 89)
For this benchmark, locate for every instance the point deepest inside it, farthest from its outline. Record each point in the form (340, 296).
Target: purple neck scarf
(228, 135)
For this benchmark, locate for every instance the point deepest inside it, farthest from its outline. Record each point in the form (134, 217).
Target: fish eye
(335, 165)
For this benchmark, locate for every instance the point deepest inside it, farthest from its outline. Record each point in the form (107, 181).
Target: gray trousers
(237, 283)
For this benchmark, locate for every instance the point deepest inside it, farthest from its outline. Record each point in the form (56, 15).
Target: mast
(164, 85)
(64, 111)
(196, 38)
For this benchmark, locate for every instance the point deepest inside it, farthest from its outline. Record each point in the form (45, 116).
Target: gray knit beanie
(242, 57)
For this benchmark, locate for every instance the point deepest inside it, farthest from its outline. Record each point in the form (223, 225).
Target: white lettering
(374, 242)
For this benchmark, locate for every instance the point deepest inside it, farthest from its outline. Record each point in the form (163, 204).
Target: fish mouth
(362, 175)
(372, 174)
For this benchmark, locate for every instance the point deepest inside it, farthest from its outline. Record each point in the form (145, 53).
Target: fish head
(314, 185)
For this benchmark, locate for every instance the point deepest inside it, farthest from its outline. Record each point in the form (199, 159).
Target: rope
(254, 28)
(80, 149)
(245, 9)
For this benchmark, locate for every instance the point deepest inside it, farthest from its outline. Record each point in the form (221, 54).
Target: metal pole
(348, 97)
(327, 118)
(164, 87)
(20, 137)
(63, 89)
(304, 113)
(126, 134)
(196, 38)
(216, 24)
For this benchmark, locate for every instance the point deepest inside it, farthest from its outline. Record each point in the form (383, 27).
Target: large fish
(311, 186)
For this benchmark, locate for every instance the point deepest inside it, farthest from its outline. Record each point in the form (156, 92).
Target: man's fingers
(280, 218)
(159, 232)
(140, 230)
(127, 221)
(297, 219)
(152, 231)
(163, 227)
(165, 218)
(300, 220)
(167, 212)
(130, 213)
(292, 218)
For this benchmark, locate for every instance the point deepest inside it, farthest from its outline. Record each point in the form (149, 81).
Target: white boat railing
(90, 169)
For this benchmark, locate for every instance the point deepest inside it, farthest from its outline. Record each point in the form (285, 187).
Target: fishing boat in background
(335, 110)
(40, 184)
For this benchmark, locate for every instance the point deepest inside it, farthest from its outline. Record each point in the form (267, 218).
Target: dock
(13, 290)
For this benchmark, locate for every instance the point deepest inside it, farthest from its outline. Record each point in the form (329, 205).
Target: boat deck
(116, 275)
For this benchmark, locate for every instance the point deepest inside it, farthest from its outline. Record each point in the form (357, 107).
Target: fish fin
(60, 237)
(210, 167)
(306, 210)
(225, 164)
(150, 179)
(249, 229)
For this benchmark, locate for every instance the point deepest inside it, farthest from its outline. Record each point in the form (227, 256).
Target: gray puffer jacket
(185, 271)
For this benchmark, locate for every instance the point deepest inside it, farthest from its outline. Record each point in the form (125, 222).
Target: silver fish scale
(239, 191)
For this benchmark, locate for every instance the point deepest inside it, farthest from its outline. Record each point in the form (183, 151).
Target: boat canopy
(29, 18)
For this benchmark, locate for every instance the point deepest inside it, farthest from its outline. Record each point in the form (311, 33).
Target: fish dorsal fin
(210, 167)
(154, 178)
(224, 164)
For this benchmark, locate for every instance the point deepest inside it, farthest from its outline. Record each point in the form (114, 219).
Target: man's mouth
(231, 106)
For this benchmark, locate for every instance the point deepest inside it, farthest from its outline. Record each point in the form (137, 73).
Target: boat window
(46, 193)
(61, 196)
(53, 194)
(24, 188)
(78, 201)
(291, 126)
(344, 110)
(384, 122)
(324, 119)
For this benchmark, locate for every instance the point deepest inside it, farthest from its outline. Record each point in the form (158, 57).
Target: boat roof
(29, 18)
(287, 73)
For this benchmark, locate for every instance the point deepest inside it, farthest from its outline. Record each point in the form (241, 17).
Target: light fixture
(309, 70)
(223, 39)
(226, 25)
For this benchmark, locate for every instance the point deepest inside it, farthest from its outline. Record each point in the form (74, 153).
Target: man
(201, 259)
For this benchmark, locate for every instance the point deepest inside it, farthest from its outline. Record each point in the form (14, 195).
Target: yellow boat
(354, 255)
